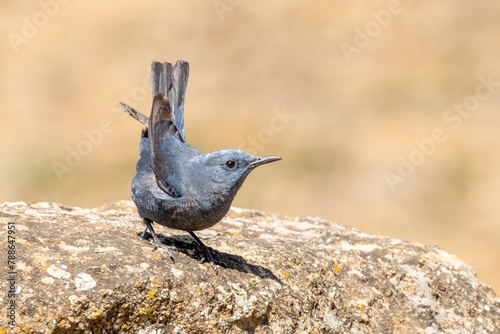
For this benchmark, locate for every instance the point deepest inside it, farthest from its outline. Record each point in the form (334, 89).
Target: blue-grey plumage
(176, 185)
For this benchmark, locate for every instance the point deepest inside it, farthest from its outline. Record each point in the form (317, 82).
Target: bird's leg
(205, 250)
(156, 242)
(149, 228)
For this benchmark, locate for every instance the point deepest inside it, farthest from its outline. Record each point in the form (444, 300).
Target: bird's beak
(262, 160)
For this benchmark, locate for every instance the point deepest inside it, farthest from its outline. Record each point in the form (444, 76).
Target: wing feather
(161, 127)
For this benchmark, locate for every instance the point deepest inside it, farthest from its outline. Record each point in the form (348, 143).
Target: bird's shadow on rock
(188, 246)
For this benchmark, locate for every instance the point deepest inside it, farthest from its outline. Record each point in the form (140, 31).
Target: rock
(87, 271)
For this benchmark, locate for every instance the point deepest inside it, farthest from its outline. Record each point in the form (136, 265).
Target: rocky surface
(88, 271)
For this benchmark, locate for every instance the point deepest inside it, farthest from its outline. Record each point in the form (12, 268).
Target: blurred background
(386, 113)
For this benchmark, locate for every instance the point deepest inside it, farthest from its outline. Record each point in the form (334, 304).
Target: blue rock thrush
(176, 185)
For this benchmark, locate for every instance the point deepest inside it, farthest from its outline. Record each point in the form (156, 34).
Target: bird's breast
(193, 211)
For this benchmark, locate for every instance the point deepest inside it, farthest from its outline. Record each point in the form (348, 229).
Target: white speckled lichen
(86, 270)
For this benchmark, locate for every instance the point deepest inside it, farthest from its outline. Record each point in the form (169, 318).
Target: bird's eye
(230, 164)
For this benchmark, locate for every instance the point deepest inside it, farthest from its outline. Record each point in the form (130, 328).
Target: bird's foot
(206, 251)
(153, 238)
(208, 257)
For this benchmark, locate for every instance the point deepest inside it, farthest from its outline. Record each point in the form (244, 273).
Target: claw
(206, 252)
(156, 242)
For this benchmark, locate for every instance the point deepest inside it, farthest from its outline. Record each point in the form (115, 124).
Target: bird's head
(229, 168)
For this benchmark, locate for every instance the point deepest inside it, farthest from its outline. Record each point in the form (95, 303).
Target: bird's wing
(166, 147)
(135, 114)
(172, 82)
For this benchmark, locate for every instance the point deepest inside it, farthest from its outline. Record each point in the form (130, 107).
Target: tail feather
(178, 93)
(172, 82)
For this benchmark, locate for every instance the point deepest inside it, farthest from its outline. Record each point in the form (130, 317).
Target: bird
(175, 184)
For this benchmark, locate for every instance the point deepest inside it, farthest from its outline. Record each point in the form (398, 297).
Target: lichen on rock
(87, 271)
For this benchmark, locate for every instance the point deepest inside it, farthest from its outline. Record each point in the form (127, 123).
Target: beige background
(351, 119)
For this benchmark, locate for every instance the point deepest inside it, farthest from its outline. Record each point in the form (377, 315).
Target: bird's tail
(172, 82)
